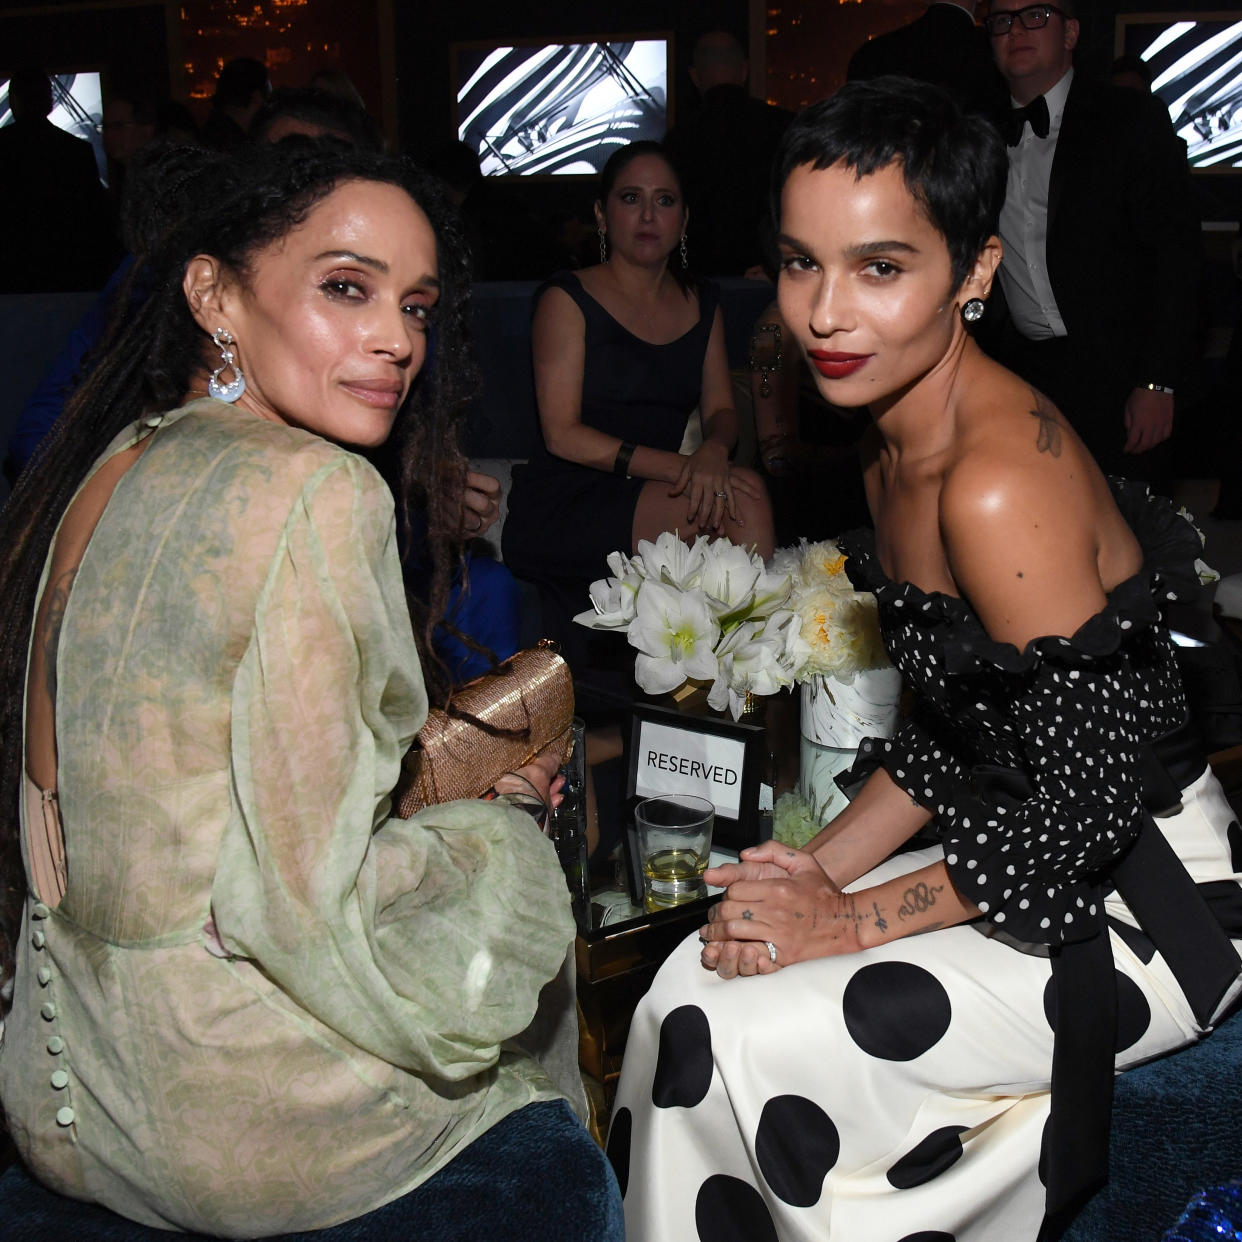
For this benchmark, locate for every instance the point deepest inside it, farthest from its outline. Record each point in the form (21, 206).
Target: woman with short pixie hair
(936, 992)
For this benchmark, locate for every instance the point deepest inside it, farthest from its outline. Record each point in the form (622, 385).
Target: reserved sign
(683, 759)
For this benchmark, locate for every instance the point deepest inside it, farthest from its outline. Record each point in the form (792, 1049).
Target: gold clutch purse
(496, 723)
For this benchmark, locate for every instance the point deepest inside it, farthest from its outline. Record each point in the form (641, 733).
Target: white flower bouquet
(709, 612)
(713, 613)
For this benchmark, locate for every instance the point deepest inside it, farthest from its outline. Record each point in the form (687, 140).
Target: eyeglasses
(1033, 17)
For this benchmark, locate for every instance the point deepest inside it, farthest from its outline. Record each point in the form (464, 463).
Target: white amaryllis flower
(675, 632)
(771, 592)
(613, 602)
(786, 625)
(749, 662)
(728, 576)
(613, 599)
(671, 561)
(713, 612)
(627, 568)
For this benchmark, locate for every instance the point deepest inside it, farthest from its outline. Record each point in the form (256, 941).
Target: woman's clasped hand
(780, 896)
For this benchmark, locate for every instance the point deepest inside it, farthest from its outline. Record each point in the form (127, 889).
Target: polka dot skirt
(901, 1095)
(897, 1095)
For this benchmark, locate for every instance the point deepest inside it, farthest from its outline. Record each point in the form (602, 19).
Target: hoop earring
(229, 392)
(972, 312)
(603, 244)
(685, 260)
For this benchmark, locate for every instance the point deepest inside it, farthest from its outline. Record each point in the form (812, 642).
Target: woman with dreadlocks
(243, 999)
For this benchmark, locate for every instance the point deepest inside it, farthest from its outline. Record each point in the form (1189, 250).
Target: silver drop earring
(603, 244)
(237, 385)
(972, 312)
(685, 259)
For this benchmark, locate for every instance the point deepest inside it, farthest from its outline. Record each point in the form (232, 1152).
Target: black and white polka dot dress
(902, 1094)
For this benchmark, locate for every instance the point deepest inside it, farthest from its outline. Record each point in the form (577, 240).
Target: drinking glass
(674, 843)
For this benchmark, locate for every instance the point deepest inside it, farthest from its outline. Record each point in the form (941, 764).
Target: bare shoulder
(557, 327)
(1021, 534)
(557, 308)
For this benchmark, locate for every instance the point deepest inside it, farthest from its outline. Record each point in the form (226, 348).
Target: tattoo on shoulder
(918, 900)
(53, 619)
(1048, 440)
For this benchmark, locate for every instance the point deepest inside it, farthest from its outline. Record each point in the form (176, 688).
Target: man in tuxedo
(944, 47)
(1101, 241)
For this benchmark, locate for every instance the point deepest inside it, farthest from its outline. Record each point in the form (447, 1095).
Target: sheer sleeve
(423, 941)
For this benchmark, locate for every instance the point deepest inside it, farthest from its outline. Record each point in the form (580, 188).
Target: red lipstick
(837, 366)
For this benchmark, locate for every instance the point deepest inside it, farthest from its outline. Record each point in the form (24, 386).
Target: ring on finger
(771, 951)
(722, 495)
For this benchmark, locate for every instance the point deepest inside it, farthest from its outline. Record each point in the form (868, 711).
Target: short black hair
(238, 81)
(953, 164)
(330, 113)
(142, 103)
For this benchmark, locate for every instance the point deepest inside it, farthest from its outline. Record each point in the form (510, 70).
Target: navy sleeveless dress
(564, 519)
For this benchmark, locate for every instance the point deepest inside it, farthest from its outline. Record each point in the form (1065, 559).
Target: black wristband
(621, 463)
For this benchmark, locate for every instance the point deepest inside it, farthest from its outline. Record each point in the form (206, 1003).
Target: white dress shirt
(1024, 225)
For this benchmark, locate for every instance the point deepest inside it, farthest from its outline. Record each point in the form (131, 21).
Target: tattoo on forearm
(1049, 438)
(880, 921)
(918, 900)
(849, 912)
(53, 619)
(922, 931)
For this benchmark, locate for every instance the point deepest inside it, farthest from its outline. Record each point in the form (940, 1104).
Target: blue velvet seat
(1177, 1127)
(534, 1177)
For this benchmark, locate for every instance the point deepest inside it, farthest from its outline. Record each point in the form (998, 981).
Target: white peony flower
(675, 632)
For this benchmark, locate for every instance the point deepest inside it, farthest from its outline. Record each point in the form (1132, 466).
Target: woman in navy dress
(624, 353)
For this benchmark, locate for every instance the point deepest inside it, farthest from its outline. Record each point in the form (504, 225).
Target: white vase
(836, 716)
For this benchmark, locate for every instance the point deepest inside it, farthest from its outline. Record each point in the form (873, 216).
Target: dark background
(398, 52)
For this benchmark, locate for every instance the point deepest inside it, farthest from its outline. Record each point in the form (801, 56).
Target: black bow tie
(1036, 112)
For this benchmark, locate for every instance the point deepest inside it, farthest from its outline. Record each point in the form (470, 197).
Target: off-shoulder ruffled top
(1029, 758)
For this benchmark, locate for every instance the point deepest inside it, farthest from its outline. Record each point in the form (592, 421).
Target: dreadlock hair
(232, 207)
